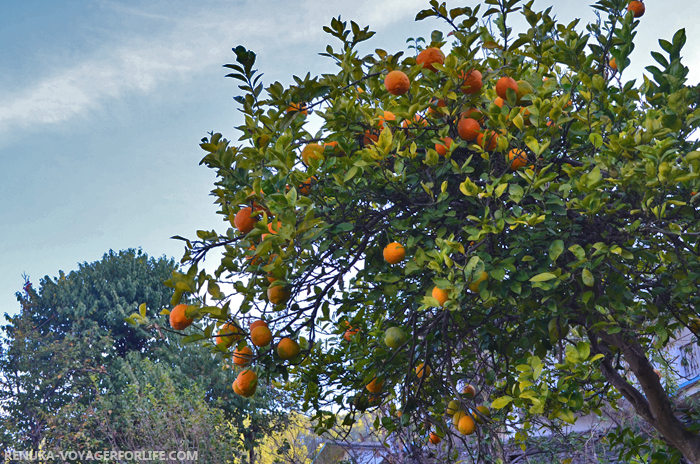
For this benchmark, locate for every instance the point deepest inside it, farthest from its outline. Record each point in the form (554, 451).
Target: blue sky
(103, 104)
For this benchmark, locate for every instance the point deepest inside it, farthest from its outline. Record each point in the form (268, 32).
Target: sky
(103, 105)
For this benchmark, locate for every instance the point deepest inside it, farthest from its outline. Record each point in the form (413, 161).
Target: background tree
(68, 359)
(542, 215)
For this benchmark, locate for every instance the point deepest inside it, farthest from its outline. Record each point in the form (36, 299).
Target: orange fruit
(442, 148)
(252, 258)
(430, 56)
(394, 253)
(474, 286)
(452, 408)
(178, 321)
(457, 417)
(375, 386)
(434, 439)
(637, 8)
(421, 369)
(399, 414)
(278, 294)
(397, 83)
(466, 425)
(287, 348)
(394, 337)
(417, 119)
(242, 357)
(492, 139)
(350, 333)
(505, 83)
(257, 323)
(469, 391)
(243, 220)
(499, 102)
(305, 187)
(613, 64)
(312, 150)
(247, 382)
(273, 229)
(440, 103)
(387, 116)
(472, 113)
(298, 107)
(517, 158)
(236, 389)
(228, 334)
(468, 129)
(471, 82)
(261, 336)
(441, 295)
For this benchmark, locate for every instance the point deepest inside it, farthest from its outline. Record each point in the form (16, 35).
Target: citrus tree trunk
(652, 404)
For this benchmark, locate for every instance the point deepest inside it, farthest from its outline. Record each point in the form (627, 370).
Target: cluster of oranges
(469, 125)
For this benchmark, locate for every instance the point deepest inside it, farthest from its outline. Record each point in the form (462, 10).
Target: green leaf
(587, 277)
(501, 402)
(596, 139)
(545, 276)
(556, 249)
(578, 251)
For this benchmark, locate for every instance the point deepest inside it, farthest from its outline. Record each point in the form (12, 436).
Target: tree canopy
(522, 217)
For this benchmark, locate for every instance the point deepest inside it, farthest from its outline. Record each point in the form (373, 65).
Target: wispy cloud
(187, 46)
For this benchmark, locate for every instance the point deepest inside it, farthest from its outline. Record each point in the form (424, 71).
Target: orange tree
(541, 213)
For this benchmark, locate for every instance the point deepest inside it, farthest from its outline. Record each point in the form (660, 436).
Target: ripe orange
(350, 333)
(505, 83)
(440, 103)
(417, 119)
(517, 158)
(257, 323)
(278, 294)
(287, 348)
(394, 253)
(492, 139)
(434, 439)
(243, 222)
(305, 187)
(228, 334)
(178, 321)
(397, 83)
(247, 382)
(261, 336)
(442, 148)
(430, 56)
(422, 369)
(468, 129)
(466, 425)
(499, 102)
(387, 116)
(471, 82)
(252, 258)
(469, 391)
(312, 150)
(637, 8)
(613, 64)
(441, 295)
(474, 286)
(375, 386)
(236, 389)
(299, 107)
(273, 229)
(472, 113)
(242, 357)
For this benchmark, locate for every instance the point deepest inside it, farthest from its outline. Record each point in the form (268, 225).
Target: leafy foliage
(590, 250)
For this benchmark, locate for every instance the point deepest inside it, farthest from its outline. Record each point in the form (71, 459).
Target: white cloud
(187, 47)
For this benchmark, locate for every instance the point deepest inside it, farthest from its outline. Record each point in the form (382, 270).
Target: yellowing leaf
(501, 402)
(543, 277)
